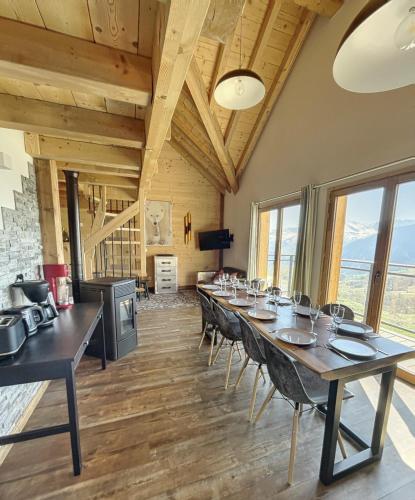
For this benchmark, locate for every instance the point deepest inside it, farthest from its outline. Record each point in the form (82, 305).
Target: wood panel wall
(177, 181)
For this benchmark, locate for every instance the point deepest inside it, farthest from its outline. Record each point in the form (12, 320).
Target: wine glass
(255, 289)
(333, 310)
(297, 299)
(314, 315)
(338, 318)
(225, 279)
(234, 283)
(269, 290)
(277, 298)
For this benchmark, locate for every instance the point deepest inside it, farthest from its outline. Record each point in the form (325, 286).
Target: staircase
(119, 254)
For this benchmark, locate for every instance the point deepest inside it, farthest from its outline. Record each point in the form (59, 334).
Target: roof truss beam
(325, 8)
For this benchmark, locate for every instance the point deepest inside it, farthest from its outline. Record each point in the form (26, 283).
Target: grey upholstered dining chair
(230, 329)
(298, 385)
(348, 313)
(208, 322)
(305, 300)
(254, 351)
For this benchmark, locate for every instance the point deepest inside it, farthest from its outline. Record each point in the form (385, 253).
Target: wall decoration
(187, 228)
(159, 223)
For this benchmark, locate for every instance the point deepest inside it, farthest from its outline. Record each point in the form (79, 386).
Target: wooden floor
(158, 424)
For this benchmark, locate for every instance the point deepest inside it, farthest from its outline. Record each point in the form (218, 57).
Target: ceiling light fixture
(240, 88)
(376, 53)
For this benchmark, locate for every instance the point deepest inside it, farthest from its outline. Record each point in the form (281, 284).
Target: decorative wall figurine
(159, 223)
(187, 228)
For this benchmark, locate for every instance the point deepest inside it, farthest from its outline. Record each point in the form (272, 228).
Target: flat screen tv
(215, 240)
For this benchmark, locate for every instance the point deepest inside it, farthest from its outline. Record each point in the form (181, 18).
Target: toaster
(12, 335)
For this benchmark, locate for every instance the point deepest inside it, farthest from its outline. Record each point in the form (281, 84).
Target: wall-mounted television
(215, 240)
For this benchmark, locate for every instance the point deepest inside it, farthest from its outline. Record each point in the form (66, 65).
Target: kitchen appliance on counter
(12, 335)
(119, 315)
(32, 292)
(32, 316)
(57, 275)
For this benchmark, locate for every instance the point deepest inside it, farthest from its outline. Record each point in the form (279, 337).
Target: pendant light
(240, 88)
(377, 53)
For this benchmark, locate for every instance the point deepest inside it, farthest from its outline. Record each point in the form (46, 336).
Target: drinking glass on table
(338, 318)
(225, 279)
(269, 290)
(276, 296)
(255, 284)
(314, 315)
(333, 310)
(297, 299)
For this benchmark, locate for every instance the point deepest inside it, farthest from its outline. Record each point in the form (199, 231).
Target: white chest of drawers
(165, 274)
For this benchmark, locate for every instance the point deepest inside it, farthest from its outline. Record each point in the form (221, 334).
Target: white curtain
(306, 237)
(253, 240)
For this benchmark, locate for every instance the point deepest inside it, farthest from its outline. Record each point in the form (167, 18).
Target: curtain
(253, 238)
(305, 242)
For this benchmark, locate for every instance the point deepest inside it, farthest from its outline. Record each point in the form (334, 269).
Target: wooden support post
(49, 211)
(142, 215)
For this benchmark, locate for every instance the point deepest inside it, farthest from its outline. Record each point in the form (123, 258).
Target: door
(368, 263)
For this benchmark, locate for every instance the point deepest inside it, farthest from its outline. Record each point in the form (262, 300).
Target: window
(277, 244)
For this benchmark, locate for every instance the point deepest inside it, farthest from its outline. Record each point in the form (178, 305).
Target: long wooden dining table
(338, 371)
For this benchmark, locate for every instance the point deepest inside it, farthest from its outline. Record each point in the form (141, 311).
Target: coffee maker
(34, 293)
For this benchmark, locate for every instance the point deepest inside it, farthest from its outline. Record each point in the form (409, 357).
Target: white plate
(350, 327)
(354, 348)
(222, 293)
(262, 314)
(241, 303)
(259, 294)
(295, 336)
(210, 287)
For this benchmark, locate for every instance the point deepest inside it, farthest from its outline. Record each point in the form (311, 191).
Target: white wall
(12, 143)
(318, 132)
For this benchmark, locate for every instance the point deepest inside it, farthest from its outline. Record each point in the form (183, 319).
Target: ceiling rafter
(273, 10)
(325, 8)
(100, 170)
(178, 28)
(277, 86)
(198, 92)
(32, 115)
(45, 57)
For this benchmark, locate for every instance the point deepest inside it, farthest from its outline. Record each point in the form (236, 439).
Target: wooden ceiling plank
(100, 170)
(178, 27)
(38, 55)
(325, 8)
(198, 91)
(72, 18)
(146, 23)
(274, 8)
(40, 146)
(115, 23)
(25, 12)
(31, 115)
(198, 165)
(277, 86)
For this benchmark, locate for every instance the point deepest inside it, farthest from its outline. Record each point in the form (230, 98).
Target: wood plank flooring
(159, 424)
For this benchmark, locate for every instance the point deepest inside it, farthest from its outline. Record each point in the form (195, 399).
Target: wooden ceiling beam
(197, 89)
(103, 180)
(81, 152)
(276, 87)
(178, 27)
(273, 10)
(100, 170)
(197, 164)
(325, 8)
(32, 115)
(42, 56)
(221, 19)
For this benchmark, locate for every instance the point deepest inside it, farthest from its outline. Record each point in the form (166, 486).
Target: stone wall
(20, 252)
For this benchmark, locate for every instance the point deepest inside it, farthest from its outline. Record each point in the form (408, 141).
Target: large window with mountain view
(277, 243)
(370, 256)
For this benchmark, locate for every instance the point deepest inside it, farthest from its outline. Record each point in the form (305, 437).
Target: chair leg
(228, 367)
(212, 344)
(265, 403)
(217, 350)
(341, 445)
(203, 335)
(242, 371)
(262, 373)
(254, 391)
(239, 352)
(293, 450)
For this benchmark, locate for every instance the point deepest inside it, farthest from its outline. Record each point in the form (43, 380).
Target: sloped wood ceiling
(119, 42)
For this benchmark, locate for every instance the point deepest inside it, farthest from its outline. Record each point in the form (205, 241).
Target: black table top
(58, 342)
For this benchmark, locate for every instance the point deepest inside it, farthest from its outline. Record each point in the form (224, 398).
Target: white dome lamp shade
(377, 53)
(239, 89)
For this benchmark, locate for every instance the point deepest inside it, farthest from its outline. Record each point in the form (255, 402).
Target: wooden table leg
(103, 352)
(73, 419)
